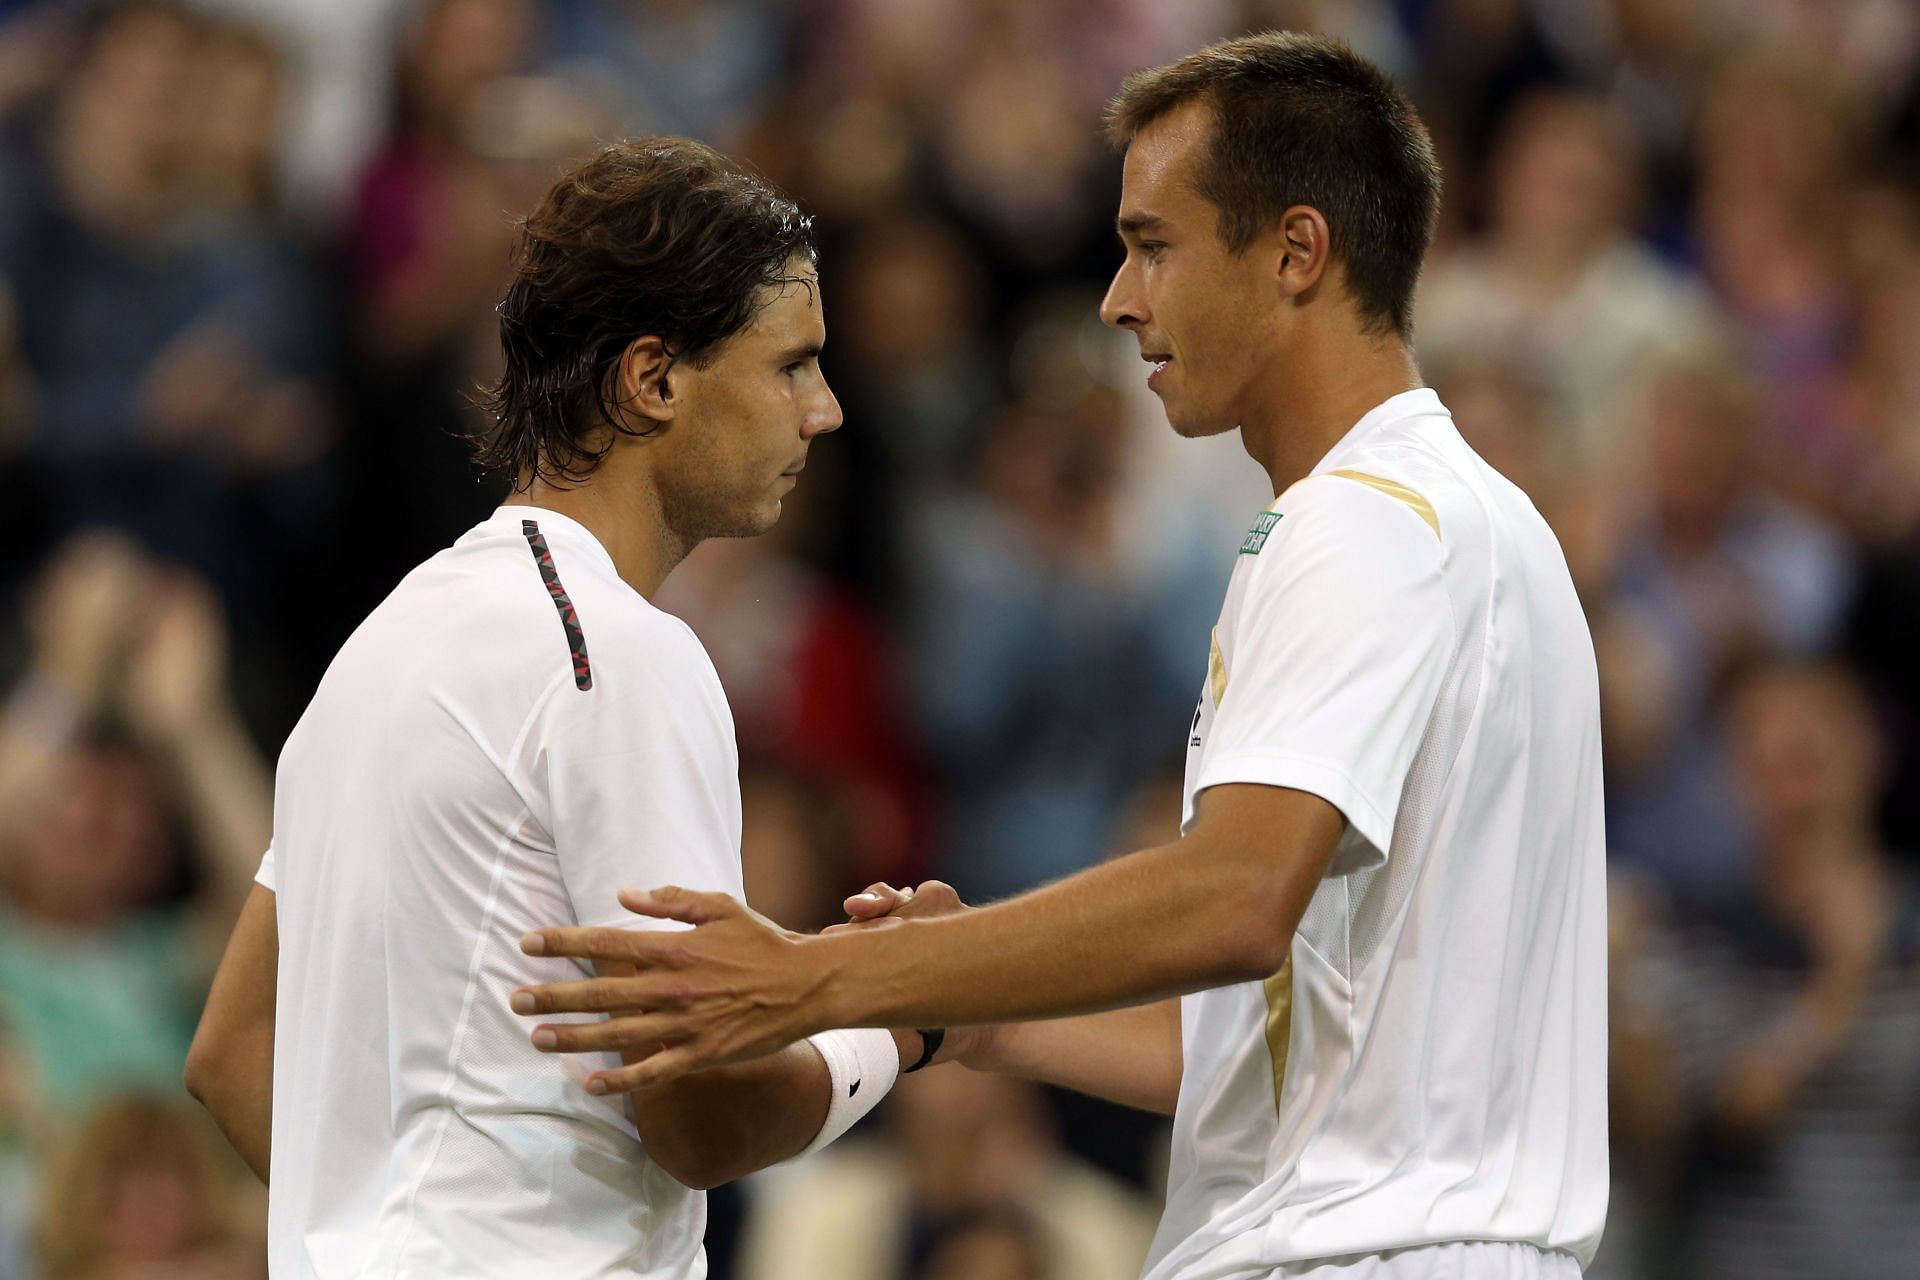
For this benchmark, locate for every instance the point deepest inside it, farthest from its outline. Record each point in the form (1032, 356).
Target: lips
(1159, 362)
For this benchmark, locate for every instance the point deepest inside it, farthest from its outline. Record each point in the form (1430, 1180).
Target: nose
(1125, 306)
(824, 415)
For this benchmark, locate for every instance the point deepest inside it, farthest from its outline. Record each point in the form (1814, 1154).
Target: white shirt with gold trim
(1401, 637)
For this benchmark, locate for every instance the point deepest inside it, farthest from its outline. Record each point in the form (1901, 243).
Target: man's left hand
(734, 987)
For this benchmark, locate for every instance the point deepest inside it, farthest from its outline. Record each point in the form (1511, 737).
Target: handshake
(734, 987)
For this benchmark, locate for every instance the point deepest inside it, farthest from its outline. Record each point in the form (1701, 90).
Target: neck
(627, 519)
(1316, 395)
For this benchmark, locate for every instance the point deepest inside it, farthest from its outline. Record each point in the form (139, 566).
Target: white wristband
(862, 1065)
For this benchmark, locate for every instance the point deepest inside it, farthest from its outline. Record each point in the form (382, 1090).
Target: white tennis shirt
(510, 738)
(1401, 637)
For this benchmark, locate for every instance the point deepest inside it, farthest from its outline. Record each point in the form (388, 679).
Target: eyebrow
(806, 351)
(1135, 223)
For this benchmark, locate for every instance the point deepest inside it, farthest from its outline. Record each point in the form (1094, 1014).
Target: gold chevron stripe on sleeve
(1217, 670)
(1279, 989)
(1399, 493)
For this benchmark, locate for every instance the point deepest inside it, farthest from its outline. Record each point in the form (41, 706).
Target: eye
(1152, 249)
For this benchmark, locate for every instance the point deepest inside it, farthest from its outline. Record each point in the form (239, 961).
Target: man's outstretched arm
(1216, 907)
(1132, 1056)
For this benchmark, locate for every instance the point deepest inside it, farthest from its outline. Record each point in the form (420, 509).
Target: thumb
(671, 902)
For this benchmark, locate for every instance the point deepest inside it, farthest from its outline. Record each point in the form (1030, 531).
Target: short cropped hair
(1300, 120)
(661, 237)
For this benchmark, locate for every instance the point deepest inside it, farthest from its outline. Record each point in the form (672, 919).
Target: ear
(641, 382)
(1305, 245)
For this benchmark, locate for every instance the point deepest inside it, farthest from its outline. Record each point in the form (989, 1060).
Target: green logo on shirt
(1257, 536)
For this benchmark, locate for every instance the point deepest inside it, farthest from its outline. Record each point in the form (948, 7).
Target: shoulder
(627, 657)
(501, 614)
(1350, 548)
(1364, 509)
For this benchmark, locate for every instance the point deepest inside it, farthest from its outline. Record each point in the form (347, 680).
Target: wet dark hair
(661, 237)
(1300, 120)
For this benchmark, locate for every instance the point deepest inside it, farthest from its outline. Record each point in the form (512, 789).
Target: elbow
(198, 1077)
(1259, 941)
(690, 1168)
(684, 1157)
(203, 1074)
(703, 1179)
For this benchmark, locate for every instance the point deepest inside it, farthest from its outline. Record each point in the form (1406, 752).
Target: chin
(758, 521)
(1195, 426)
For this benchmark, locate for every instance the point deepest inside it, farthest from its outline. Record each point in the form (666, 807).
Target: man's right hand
(881, 906)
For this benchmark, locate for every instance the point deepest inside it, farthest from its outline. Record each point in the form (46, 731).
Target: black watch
(930, 1042)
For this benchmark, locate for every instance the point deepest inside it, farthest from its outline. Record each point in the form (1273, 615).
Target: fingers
(639, 1033)
(603, 995)
(662, 1068)
(933, 898)
(685, 905)
(938, 897)
(645, 948)
(877, 899)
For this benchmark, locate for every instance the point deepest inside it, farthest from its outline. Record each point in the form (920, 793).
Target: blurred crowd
(248, 255)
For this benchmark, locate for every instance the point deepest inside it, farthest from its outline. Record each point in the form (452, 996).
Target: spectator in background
(815, 683)
(1506, 423)
(1852, 450)
(966, 1150)
(909, 315)
(1558, 284)
(1788, 1021)
(1709, 569)
(1041, 689)
(171, 372)
(237, 85)
(17, 1112)
(1004, 1245)
(428, 239)
(103, 957)
(1012, 145)
(1777, 146)
(692, 67)
(474, 141)
(138, 1192)
(339, 54)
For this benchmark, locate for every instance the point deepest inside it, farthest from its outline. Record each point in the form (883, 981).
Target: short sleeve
(642, 781)
(1335, 659)
(264, 876)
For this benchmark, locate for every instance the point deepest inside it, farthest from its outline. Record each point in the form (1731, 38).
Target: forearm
(1153, 924)
(714, 1126)
(1129, 1056)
